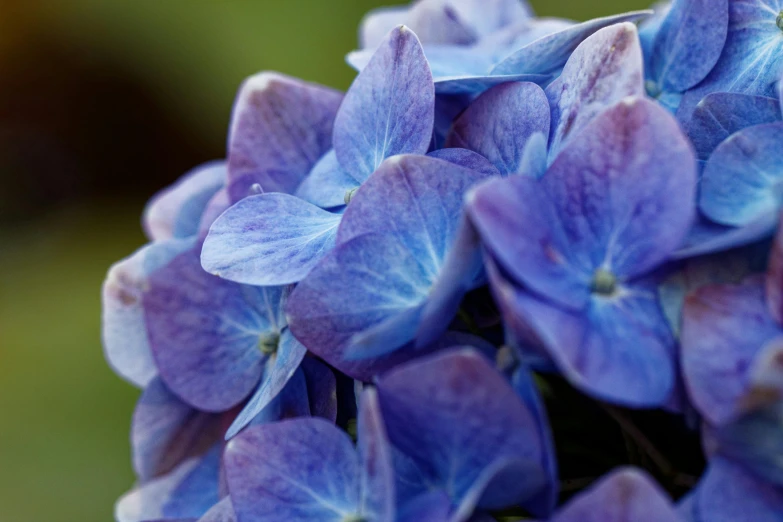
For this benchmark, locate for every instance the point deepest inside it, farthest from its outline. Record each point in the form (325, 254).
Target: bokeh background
(102, 102)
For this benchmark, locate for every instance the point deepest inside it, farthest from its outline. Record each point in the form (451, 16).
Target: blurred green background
(102, 102)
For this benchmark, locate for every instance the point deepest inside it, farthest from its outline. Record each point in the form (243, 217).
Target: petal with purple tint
(321, 388)
(176, 211)
(706, 237)
(742, 180)
(774, 281)
(278, 369)
(467, 159)
(187, 492)
(618, 198)
(752, 59)
(721, 114)
(269, 240)
(165, 431)
(689, 43)
(358, 287)
(216, 206)
(328, 184)
(377, 474)
(603, 70)
(619, 349)
(223, 511)
(493, 438)
(124, 329)
(280, 128)
(549, 53)
(718, 346)
(500, 122)
(206, 333)
(389, 109)
(728, 493)
(625, 495)
(294, 470)
(376, 24)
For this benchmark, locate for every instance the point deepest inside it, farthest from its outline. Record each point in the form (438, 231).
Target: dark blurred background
(102, 102)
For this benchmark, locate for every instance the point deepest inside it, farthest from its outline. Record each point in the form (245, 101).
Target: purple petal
(689, 43)
(278, 369)
(321, 388)
(205, 332)
(446, 397)
(360, 285)
(718, 345)
(741, 181)
(294, 470)
(389, 109)
(721, 114)
(549, 53)
(269, 240)
(603, 70)
(188, 491)
(280, 128)
(123, 328)
(626, 207)
(618, 350)
(626, 495)
(500, 122)
(706, 237)
(377, 484)
(327, 185)
(467, 159)
(727, 493)
(165, 431)
(176, 210)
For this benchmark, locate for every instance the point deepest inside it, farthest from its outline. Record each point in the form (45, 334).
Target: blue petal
(689, 43)
(280, 128)
(548, 54)
(718, 346)
(123, 326)
(377, 483)
(188, 491)
(604, 69)
(534, 157)
(752, 60)
(321, 388)
(389, 109)
(706, 237)
(433, 506)
(466, 158)
(360, 285)
(216, 206)
(165, 431)
(620, 196)
(624, 495)
(741, 181)
(279, 368)
(727, 493)
(176, 210)
(721, 114)
(205, 332)
(445, 398)
(376, 24)
(223, 511)
(269, 239)
(477, 83)
(327, 184)
(298, 470)
(292, 401)
(500, 122)
(618, 350)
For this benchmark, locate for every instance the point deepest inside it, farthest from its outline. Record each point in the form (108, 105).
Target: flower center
(653, 89)
(349, 195)
(267, 343)
(604, 283)
(779, 20)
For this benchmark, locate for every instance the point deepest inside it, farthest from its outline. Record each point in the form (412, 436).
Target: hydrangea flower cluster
(387, 305)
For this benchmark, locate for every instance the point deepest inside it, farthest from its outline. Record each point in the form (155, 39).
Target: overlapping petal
(269, 239)
(280, 128)
(389, 109)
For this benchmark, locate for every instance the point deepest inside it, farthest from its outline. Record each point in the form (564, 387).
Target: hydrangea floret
(523, 269)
